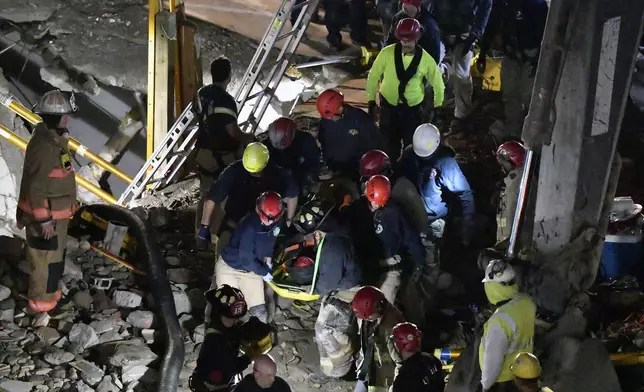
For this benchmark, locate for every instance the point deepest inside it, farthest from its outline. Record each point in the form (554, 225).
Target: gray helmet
(56, 102)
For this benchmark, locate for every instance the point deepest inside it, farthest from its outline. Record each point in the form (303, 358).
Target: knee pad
(259, 311)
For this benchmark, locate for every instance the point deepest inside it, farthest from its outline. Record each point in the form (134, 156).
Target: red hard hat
(406, 337)
(512, 151)
(378, 190)
(281, 132)
(329, 102)
(408, 29)
(303, 262)
(269, 207)
(374, 162)
(369, 301)
(415, 3)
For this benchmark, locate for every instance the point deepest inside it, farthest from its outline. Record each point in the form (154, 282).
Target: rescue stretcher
(283, 285)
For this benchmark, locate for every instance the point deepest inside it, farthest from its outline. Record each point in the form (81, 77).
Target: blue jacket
(338, 269)
(242, 188)
(302, 157)
(249, 244)
(462, 16)
(439, 180)
(346, 140)
(388, 234)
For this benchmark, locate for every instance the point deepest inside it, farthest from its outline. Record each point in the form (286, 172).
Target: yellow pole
(177, 65)
(74, 144)
(22, 144)
(116, 259)
(153, 10)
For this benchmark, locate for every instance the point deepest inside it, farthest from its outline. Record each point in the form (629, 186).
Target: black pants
(335, 17)
(296, 13)
(398, 123)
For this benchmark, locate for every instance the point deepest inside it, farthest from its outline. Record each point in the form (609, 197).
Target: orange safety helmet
(378, 190)
(269, 207)
(407, 337)
(282, 132)
(328, 103)
(512, 151)
(408, 29)
(368, 302)
(374, 162)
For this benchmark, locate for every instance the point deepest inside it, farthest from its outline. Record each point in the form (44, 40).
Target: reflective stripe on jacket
(48, 186)
(515, 320)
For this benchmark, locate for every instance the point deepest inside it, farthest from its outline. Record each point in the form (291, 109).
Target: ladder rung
(281, 37)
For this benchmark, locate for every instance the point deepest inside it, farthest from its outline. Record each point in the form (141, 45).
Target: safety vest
(516, 318)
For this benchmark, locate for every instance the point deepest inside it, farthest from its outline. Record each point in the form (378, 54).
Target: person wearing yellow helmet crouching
(510, 329)
(527, 371)
(236, 190)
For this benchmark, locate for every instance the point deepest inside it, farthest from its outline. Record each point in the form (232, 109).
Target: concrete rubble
(109, 340)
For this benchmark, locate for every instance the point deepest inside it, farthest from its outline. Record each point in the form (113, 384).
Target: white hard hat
(499, 271)
(426, 140)
(56, 102)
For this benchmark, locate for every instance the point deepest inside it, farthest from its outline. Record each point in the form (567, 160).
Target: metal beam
(154, 6)
(588, 110)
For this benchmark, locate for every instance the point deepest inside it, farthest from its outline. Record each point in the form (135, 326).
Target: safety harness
(405, 75)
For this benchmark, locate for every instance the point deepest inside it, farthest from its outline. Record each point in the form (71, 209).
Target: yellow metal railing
(22, 144)
(74, 144)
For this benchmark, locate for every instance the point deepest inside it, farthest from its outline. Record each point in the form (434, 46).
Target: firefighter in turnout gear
(511, 156)
(377, 318)
(404, 68)
(510, 329)
(219, 358)
(418, 371)
(527, 371)
(47, 198)
(389, 240)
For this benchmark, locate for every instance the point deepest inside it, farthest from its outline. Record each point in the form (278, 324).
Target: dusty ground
(108, 39)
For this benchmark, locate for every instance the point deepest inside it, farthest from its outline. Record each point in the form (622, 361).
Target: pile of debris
(103, 337)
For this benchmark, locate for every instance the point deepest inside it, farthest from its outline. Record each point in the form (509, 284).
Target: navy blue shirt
(430, 40)
(437, 179)
(383, 233)
(249, 244)
(462, 16)
(215, 109)
(346, 140)
(338, 269)
(302, 157)
(242, 188)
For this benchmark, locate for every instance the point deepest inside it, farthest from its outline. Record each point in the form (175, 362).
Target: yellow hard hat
(255, 157)
(526, 366)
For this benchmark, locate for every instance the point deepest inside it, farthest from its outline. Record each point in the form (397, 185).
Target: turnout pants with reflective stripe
(47, 265)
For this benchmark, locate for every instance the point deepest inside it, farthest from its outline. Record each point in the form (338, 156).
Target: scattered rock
(83, 299)
(41, 320)
(141, 319)
(181, 275)
(82, 387)
(5, 292)
(83, 335)
(72, 270)
(89, 372)
(181, 300)
(15, 386)
(106, 385)
(133, 373)
(58, 357)
(148, 335)
(132, 355)
(127, 299)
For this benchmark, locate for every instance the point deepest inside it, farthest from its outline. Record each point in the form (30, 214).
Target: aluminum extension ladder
(170, 155)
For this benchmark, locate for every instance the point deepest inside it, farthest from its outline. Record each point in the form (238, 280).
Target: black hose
(148, 247)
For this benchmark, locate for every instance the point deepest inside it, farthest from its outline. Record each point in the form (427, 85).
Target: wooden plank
(163, 87)
(191, 72)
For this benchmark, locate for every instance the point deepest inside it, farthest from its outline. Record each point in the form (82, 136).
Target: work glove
(204, 237)
(415, 276)
(393, 351)
(268, 277)
(372, 110)
(48, 229)
(468, 45)
(481, 63)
